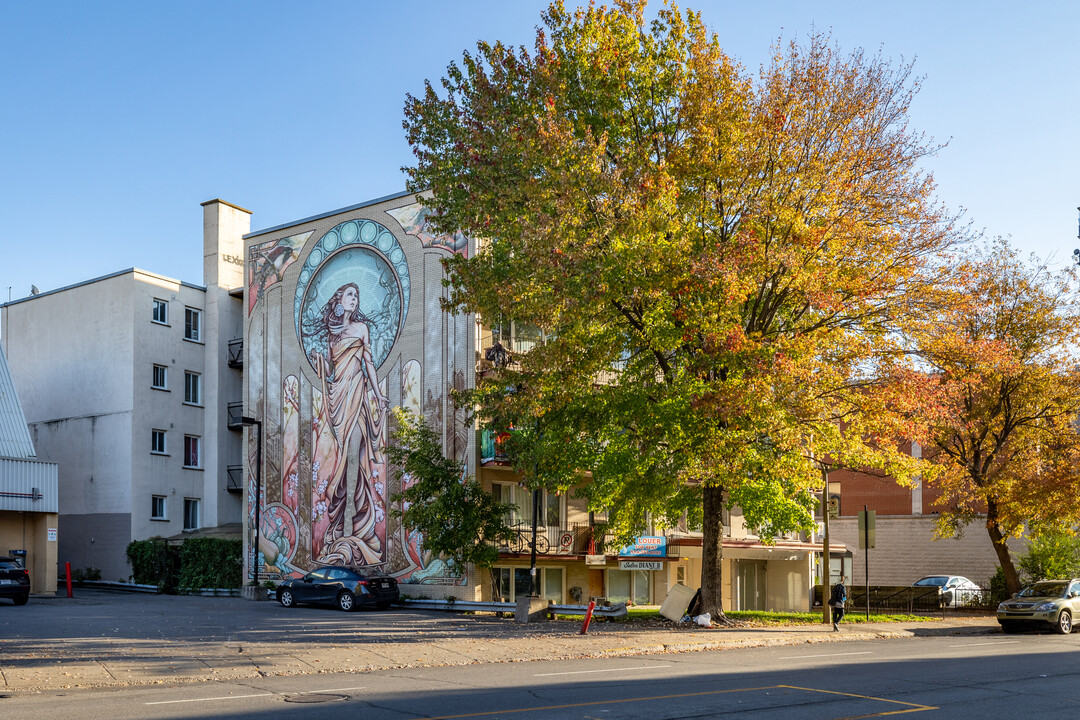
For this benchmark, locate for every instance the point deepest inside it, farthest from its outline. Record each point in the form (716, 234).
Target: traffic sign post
(867, 540)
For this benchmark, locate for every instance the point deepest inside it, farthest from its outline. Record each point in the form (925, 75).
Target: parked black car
(14, 581)
(346, 587)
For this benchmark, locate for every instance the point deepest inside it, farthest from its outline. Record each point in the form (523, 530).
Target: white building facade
(131, 384)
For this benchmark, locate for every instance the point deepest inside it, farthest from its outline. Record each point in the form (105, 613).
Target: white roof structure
(15, 441)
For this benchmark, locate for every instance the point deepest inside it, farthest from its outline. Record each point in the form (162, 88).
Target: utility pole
(826, 557)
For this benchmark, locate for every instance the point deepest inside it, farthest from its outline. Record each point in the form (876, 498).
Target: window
(629, 586)
(193, 324)
(551, 505)
(161, 378)
(192, 388)
(514, 582)
(191, 451)
(191, 514)
(157, 442)
(157, 507)
(161, 311)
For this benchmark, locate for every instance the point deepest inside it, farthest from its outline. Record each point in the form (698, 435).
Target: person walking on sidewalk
(836, 602)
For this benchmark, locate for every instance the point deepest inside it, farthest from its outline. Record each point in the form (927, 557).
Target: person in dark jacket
(836, 601)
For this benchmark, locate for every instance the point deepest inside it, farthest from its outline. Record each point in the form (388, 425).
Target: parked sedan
(14, 581)
(1053, 602)
(956, 591)
(345, 587)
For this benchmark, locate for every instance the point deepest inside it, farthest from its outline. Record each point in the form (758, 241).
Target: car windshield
(937, 580)
(1044, 589)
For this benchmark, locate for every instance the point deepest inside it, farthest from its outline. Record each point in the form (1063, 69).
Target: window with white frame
(161, 311)
(513, 582)
(192, 451)
(192, 388)
(191, 513)
(157, 507)
(629, 586)
(157, 442)
(193, 324)
(552, 506)
(161, 378)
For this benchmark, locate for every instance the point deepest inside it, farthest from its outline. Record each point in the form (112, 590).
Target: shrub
(210, 563)
(154, 562)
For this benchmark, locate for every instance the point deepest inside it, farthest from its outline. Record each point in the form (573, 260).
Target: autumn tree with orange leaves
(719, 260)
(1004, 360)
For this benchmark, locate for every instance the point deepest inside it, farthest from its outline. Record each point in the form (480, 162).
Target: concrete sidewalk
(108, 640)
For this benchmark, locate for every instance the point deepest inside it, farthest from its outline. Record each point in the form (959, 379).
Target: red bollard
(588, 617)
(67, 571)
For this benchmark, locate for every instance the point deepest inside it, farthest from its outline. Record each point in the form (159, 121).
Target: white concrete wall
(906, 551)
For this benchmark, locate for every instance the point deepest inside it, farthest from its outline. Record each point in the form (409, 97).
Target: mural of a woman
(350, 424)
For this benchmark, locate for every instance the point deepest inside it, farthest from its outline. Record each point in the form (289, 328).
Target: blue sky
(118, 118)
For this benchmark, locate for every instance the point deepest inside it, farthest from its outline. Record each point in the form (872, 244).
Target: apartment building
(131, 385)
(343, 321)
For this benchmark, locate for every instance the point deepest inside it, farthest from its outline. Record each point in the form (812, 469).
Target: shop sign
(640, 565)
(646, 546)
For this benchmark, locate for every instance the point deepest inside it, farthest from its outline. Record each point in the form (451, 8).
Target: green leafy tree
(455, 516)
(1052, 555)
(720, 264)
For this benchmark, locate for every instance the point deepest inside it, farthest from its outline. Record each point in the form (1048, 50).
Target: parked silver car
(956, 591)
(1047, 602)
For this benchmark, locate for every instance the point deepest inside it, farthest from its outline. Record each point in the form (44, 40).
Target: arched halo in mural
(366, 254)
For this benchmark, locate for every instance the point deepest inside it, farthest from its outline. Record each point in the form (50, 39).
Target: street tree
(1003, 359)
(718, 262)
(457, 520)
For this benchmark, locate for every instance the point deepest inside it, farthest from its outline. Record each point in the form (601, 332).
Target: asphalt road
(1032, 675)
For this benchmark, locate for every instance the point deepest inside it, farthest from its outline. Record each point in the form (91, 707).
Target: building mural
(344, 323)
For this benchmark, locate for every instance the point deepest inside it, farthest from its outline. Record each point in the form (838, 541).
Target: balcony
(236, 414)
(236, 353)
(235, 479)
(554, 540)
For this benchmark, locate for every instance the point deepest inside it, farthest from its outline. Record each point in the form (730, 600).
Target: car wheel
(21, 599)
(1064, 623)
(1008, 626)
(286, 599)
(346, 601)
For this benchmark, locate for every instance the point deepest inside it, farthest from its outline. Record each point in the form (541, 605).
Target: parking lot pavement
(102, 638)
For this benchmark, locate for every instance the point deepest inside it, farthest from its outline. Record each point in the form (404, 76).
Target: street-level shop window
(157, 442)
(157, 507)
(513, 582)
(161, 378)
(629, 586)
(191, 514)
(192, 388)
(193, 324)
(161, 311)
(192, 454)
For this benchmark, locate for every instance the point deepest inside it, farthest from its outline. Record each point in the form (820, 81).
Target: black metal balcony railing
(236, 353)
(577, 539)
(236, 415)
(235, 478)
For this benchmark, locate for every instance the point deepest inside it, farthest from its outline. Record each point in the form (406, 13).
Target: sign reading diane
(646, 546)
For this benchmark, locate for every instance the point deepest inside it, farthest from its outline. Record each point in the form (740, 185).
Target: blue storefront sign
(646, 546)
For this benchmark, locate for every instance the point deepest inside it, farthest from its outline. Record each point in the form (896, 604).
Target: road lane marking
(239, 697)
(998, 642)
(800, 657)
(909, 706)
(586, 672)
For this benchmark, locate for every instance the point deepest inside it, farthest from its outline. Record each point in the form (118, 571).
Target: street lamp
(249, 421)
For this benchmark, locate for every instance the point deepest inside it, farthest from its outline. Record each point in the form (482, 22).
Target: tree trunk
(712, 554)
(1012, 579)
